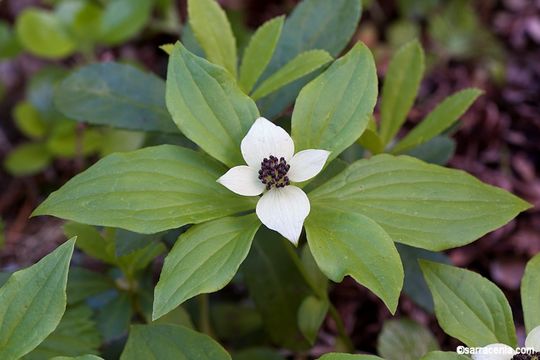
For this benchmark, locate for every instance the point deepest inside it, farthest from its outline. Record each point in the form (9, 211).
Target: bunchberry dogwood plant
(353, 200)
(272, 165)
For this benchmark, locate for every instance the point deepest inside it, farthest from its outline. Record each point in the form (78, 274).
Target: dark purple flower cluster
(274, 172)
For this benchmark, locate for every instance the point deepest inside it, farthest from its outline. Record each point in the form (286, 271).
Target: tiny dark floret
(273, 172)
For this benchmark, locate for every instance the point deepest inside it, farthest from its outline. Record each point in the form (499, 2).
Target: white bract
(271, 167)
(505, 352)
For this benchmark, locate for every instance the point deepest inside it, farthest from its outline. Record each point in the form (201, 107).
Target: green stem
(204, 315)
(342, 332)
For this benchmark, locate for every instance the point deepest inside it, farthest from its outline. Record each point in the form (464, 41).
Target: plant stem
(204, 315)
(341, 328)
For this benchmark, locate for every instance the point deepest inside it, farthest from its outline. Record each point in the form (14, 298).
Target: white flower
(271, 167)
(505, 352)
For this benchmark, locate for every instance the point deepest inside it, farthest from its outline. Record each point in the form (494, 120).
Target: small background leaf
(400, 87)
(213, 32)
(259, 52)
(298, 67)
(405, 339)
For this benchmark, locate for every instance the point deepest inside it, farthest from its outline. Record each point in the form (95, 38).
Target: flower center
(535, 356)
(274, 172)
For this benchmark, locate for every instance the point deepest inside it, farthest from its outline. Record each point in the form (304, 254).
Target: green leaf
(257, 354)
(313, 24)
(333, 110)
(82, 357)
(27, 159)
(178, 316)
(340, 356)
(90, 241)
(117, 95)
(235, 322)
(440, 119)
(75, 335)
(203, 260)
(400, 87)
(170, 342)
(139, 259)
(32, 303)
(443, 355)
(28, 120)
(9, 44)
(259, 52)
(464, 297)
(121, 20)
(82, 21)
(146, 191)
(213, 31)
(114, 317)
(51, 41)
(331, 170)
(127, 242)
(298, 67)
(277, 287)
(40, 91)
(438, 150)
(351, 244)
(405, 339)
(371, 141)
(311, 315)
(207, 105)
(419, 204)
(414, 284)
(83, 283)
(530, 294)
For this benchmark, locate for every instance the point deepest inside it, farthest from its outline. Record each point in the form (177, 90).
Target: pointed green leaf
(259, 52)
(213, 32)
(351, 244)
(333, 110)
(530, 294)
(405, 339)
(170, 342)
(400, 87)
(419, 204)
(440, 119)
(203, 260)
(32, 303)
(311, 315)
(313, 24)
(208, 106)
(468, 306)
(298, 67)
(75, 335)
(117, 95)
(146, 191)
